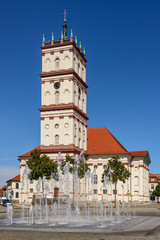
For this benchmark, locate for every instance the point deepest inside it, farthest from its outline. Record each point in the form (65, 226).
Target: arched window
(78, 69)
(47, 140)
(57, 97)
(136, 181)
(136, 168)
(66, 96)
(47, 98)
(95, 166)
(47, 93)
(66, 139)
(66, 62)
(56, 139)
(47, 64)
(82, 73)
(57, 64)
(66, 91)
(95, 179)
(74, 63)
(104, 166)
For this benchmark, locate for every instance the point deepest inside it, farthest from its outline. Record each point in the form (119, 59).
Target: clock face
(57, 85)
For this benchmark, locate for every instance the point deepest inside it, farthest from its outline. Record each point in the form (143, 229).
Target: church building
(64, 118)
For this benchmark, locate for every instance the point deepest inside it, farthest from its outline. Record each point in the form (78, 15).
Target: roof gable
(16, 178)
(101, 141)
(28, 154)
(138, 153)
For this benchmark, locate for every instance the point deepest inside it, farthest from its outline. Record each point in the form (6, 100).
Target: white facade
(63, 106)
(134, 189)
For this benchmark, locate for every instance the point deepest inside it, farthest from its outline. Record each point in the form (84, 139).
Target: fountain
(67, 209)
(9, 214)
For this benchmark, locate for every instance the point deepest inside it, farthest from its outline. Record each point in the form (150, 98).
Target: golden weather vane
(65, 13)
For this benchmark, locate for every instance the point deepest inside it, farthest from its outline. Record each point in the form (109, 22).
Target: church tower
(63, 95)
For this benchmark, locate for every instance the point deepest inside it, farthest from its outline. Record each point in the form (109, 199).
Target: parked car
(5, 201)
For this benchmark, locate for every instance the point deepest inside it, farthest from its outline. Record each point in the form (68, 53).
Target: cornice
(71, 148)
(54, 107)
(63, 45)
(63, 72)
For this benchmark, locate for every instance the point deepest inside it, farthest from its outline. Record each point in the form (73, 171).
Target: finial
(43, 37)
(76, 39)
(71, 33)
(84, 51)
(65, 15)
(80, 45)
(61, 34)
(52, 36)
(65, 26)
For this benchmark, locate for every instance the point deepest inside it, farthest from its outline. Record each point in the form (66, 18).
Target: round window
(66, 125)
(104, 166)
(47, 126)
(56, 125)
(95, 166)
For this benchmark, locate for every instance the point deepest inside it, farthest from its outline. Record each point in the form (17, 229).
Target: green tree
(156, 192)
(115, 172)
(81, 167)
(40, 166)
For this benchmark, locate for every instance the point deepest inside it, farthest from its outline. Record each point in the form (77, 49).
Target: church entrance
(56, 192)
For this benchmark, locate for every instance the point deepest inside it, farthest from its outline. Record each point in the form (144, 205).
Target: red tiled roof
(28, 154)
(16, 178)
(138, 153)
(101, 141)
(2, 189)
(151, 175)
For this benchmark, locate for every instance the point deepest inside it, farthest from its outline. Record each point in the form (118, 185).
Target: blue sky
(122, 41)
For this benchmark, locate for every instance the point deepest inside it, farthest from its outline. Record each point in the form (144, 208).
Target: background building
(154, 180)
(3, 192)
(13, 189)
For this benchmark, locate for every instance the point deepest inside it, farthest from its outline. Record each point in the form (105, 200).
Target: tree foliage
(41, 165)
(115, 172)
(118, 171)
(156, 192)
(82, 166)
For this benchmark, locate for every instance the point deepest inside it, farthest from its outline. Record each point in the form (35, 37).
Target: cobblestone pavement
(29, 235)
(40, 234)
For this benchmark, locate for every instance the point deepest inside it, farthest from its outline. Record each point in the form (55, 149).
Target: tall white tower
(63, 96)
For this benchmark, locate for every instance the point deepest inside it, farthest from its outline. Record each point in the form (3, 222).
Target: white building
(64, 123)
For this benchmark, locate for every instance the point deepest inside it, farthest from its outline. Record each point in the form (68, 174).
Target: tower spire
(65, 25)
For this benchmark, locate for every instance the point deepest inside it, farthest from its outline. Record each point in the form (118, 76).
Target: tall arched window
(47, 98)
(56, 139)
(47, 140)
(78, 69)
(57, 64)
(66, 62)
(66, 139)
(82, 73)
(136, 181)
(74, 63)
(47, 64)
(57, 97)
(66, 96)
